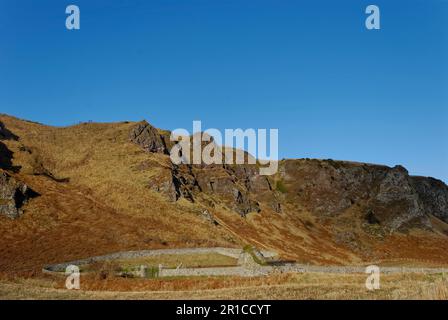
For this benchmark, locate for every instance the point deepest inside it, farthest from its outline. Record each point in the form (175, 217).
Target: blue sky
(309, 68)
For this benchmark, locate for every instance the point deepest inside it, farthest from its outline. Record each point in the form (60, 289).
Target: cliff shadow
(5, 134)
(6, 156)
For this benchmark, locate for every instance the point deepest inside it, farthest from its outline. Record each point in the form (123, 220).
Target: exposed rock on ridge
(434, 195)
(389, 197)
(147, 137)
(13, 195)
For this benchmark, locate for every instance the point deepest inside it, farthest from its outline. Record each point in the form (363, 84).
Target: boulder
(13, 195)
(147, 137)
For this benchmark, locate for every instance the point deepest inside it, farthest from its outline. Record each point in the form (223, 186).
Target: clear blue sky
(309, 68)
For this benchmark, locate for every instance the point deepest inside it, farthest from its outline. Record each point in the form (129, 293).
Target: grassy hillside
(95, 198)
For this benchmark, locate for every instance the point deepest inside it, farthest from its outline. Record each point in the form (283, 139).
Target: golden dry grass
(199, 260)
(107, 206)
(289, 287)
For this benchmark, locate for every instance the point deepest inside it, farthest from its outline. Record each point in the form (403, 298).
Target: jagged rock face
(175, 182)
(249, 176)
(236, 186)
(187, 182)
(387, 196)
(13, 194)
(147, 137)
(164, 183)
(434, 195)
(220, 181)
(259, 187)
(328, 188)
(397, 203)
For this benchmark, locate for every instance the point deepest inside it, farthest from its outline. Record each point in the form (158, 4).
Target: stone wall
(230, 252)
(243, 270)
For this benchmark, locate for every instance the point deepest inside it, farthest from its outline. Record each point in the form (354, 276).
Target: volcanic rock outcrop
(147, 137)
(388, 197)
(434, 195)
(13, 195)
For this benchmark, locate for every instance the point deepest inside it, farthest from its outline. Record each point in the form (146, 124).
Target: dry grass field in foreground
(287, 286)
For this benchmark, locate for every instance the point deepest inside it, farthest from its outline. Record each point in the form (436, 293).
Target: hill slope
(98, 188)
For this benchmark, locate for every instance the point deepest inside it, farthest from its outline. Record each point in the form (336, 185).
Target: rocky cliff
(433, 194)
(112, 187)
(387, 197)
